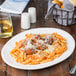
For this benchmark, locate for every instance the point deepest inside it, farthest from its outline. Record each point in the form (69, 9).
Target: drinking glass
(6, 28)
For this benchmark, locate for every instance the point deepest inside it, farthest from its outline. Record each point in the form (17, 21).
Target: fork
(73, 70)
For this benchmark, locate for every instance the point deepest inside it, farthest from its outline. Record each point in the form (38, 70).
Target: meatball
(49, 39)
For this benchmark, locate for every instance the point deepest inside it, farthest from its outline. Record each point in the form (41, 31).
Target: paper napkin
(14, 6)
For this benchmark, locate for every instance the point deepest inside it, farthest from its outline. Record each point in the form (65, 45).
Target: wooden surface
(61, 69)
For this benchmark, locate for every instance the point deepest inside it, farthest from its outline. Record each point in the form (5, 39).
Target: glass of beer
(6, 27)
